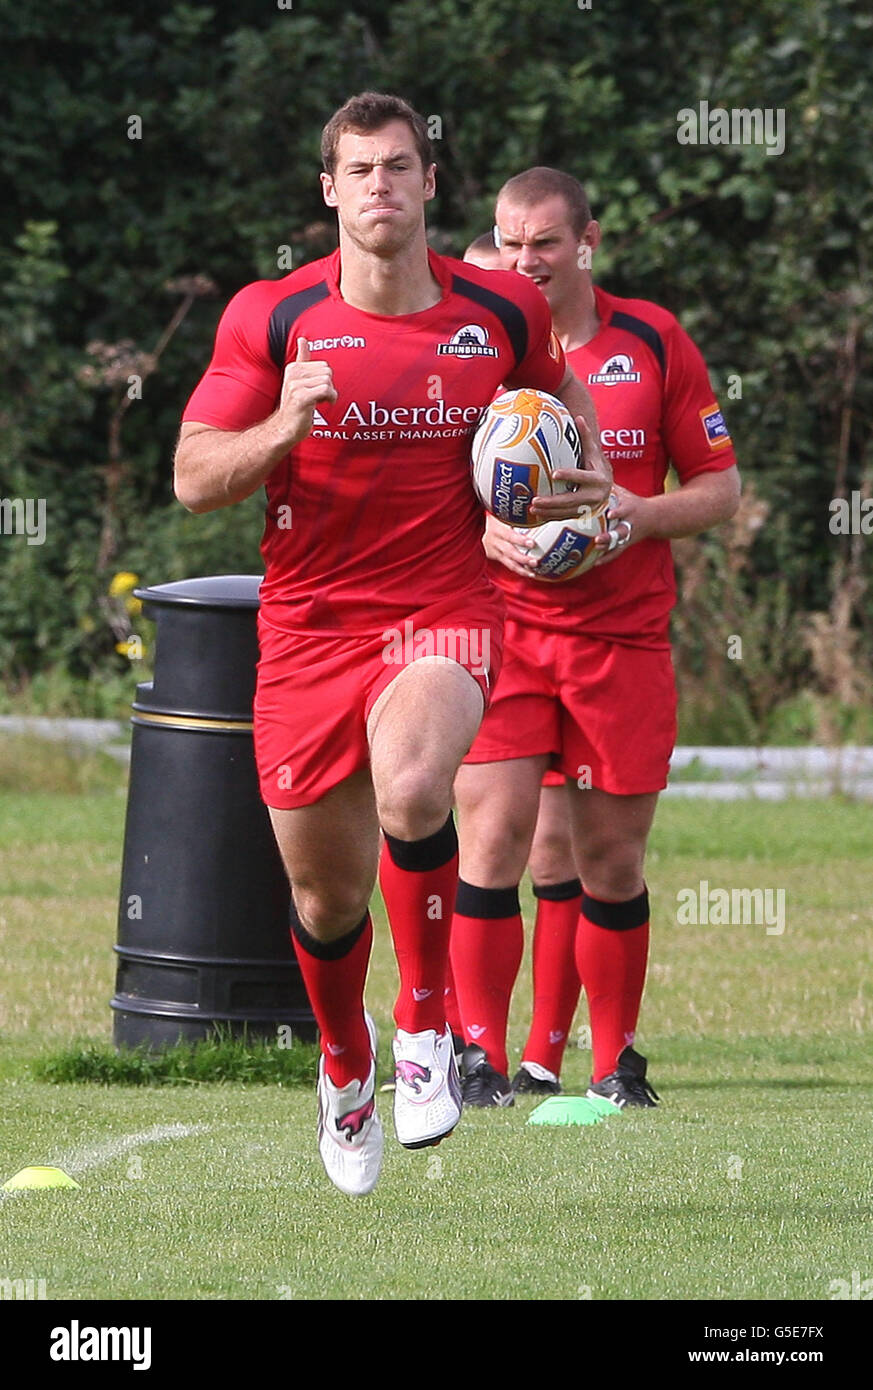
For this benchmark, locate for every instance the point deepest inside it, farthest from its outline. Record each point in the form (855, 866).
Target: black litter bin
(203, 935)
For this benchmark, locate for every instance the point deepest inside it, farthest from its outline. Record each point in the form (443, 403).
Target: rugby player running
(372, 537)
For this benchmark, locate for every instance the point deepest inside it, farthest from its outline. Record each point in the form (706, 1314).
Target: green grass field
(753, 1180)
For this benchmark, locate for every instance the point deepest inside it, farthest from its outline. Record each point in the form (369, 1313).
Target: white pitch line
(82, 1159)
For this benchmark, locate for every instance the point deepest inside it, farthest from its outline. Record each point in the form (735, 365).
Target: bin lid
(212, 591)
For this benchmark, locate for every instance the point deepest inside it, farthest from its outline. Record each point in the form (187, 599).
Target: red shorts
(605, 711)
(315, 690)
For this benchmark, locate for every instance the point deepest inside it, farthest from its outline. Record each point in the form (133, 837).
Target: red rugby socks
(418, 879)
(612, 947)
(487, 946)
(453, 1012)
(334, 973)
(556, 984)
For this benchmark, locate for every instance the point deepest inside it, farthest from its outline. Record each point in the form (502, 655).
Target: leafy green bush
(110, 243)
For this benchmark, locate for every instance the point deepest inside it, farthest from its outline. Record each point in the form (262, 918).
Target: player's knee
(494, 851)
(551, 859)
(613, 870)
(330, 910)
(414, 803)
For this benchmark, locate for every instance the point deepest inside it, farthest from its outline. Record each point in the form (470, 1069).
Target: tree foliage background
(117, 255)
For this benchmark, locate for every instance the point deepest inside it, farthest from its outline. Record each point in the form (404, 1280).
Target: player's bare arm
(703, 501)
(577, 399)
(215, 468)
(593, 481)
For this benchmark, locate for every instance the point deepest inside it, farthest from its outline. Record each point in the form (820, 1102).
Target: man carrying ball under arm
(349, 391)
(587, 681)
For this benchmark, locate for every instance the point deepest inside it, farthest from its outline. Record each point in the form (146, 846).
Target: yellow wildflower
(122, 583)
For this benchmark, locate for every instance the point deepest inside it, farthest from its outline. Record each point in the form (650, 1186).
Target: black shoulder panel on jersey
(284, 314)
(510, 315)
(643, 330)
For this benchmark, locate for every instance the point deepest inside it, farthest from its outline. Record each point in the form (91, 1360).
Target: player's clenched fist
(304, 385)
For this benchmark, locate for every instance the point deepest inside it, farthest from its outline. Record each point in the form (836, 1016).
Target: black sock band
(486, 902)
(617, 916)
(422, 856)
(326, 950)
(558, 892)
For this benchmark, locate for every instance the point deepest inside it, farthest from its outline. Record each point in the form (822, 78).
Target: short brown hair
(371, 111)
(533, 185)
(482, 243)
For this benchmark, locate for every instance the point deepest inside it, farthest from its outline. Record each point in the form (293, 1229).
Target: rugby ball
(565, 549)
(520, 441)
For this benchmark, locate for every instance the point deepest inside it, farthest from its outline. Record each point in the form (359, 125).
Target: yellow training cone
(39, 1177)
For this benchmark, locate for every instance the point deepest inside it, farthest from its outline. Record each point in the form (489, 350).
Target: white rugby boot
(350, 1135)
(427, 1091)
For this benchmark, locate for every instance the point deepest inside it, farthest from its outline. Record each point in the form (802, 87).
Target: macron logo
(75, 1343)
(419, 994)
(346, 341)
(477, 1029)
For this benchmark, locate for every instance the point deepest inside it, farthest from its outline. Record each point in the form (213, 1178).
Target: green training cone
(568, 1110)
(603, 1106)
(39, 1177)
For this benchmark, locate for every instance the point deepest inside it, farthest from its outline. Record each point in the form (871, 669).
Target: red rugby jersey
(383, 518)
(655, 406)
